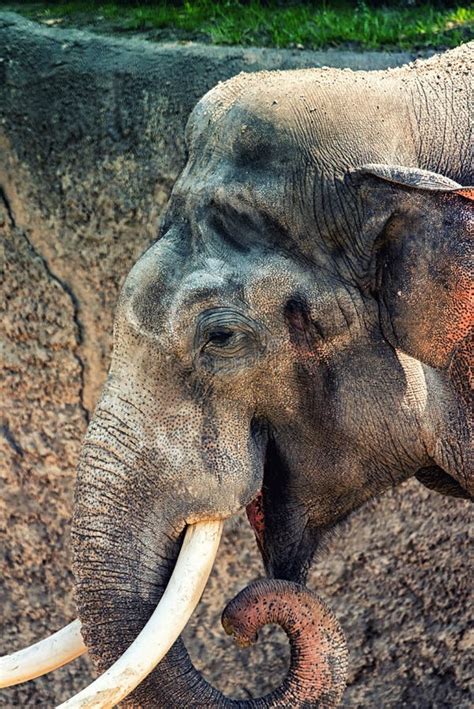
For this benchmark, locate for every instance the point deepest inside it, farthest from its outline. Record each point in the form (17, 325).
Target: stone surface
(91, 140)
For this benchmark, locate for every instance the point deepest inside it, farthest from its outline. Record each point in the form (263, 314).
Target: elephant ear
(419, 229)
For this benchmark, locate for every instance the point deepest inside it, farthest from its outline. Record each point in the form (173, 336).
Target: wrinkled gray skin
(301, 327)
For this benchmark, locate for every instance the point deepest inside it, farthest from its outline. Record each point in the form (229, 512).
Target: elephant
(297, 341)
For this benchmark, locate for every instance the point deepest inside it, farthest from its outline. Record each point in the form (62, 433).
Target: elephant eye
(226, 342)
(219, 338)
(226, 338)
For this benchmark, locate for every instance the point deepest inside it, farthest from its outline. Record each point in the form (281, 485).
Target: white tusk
(42, 657)
(181, 596)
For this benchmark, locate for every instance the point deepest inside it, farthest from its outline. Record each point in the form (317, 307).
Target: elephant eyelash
(227, 343)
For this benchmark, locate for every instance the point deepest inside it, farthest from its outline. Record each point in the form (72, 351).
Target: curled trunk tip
(319, 656)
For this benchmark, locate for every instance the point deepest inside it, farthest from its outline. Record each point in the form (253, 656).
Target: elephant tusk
(181, 596)
(42, 657)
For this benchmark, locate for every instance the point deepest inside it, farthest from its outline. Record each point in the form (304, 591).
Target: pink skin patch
(256, 517)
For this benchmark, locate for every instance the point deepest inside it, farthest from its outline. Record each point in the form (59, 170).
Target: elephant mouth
(287, 551)
(256, 517)
(279, 518)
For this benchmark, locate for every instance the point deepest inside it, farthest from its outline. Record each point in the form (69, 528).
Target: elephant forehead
(248, 172)
(310, 116)
(259, 133)
(264, 144)
(251, 118)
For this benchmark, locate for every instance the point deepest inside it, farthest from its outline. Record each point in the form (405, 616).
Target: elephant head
(294, 343)
(261, 363)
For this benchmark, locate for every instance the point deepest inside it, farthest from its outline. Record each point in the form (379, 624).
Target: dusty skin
(300, 334)
(393, 573)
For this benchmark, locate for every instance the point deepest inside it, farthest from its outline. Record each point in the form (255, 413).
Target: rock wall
(91, 141)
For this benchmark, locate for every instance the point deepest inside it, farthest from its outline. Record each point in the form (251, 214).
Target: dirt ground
(90, 144)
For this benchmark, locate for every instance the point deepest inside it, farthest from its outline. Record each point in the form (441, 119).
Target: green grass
(303, 24)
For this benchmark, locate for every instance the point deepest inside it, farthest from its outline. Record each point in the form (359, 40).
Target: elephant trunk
(125, 551)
